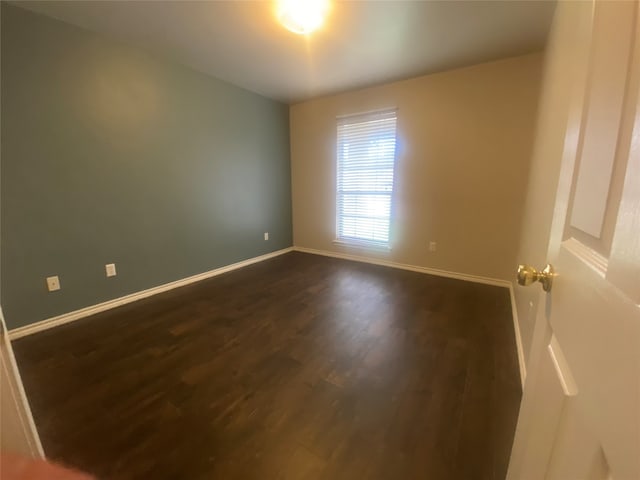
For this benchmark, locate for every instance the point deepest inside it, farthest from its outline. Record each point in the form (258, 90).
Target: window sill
(362, 245)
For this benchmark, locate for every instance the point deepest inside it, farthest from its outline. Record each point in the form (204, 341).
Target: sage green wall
(112, 155)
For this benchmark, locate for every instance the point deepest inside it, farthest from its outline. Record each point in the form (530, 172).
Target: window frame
(365, 243)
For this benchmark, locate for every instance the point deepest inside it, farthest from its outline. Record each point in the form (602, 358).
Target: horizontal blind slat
(366, 157)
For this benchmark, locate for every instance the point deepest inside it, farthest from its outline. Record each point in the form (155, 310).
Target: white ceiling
(362, 42)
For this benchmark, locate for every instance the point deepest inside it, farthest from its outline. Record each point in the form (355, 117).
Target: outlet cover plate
(53, 283)
(110, 269)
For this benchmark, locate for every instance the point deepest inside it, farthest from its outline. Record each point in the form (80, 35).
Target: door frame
(30, 443)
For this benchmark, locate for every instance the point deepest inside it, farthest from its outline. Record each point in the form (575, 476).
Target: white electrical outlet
(432, 246)
(110, 268)
(266, 235)
(53, 283)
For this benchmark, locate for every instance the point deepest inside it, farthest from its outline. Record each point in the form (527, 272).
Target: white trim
(441, 273)
(569, 387)
(101, 307)
(593, 259)
(368, 112)
(404, 266)
(376, 247)
(516, 328)
(116, 302)
(16, 389)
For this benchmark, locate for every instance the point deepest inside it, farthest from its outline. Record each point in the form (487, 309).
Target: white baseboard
(516, 329)
(404, 266)
(101, 307)
(116, 302)
(441, 273)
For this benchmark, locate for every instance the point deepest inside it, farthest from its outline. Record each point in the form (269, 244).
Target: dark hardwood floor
(300, 367)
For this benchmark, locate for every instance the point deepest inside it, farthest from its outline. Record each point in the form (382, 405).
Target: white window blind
(366, 158)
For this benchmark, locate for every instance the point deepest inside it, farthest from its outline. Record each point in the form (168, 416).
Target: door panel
(598, 328)
(610, 53)
(624, 263)
(576, 446)
(550, 397)
(17, 430)
(580, 415)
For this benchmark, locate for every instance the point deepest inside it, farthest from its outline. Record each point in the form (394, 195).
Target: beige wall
(465, 139)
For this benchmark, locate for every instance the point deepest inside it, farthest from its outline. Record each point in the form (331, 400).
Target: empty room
(320, 239)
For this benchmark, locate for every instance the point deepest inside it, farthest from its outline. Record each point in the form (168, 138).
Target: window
(366, 159)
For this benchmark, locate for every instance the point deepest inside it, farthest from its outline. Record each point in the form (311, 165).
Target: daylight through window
(366, 159)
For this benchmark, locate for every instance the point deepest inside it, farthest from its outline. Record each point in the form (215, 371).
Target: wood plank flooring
(300, 367)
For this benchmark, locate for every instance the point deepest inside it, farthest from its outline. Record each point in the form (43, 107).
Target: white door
(580, 413)
(17, 430)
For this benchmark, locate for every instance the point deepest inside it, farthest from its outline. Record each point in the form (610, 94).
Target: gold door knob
(528, 275)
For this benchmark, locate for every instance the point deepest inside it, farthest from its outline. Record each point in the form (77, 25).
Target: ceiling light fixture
(302, 16)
